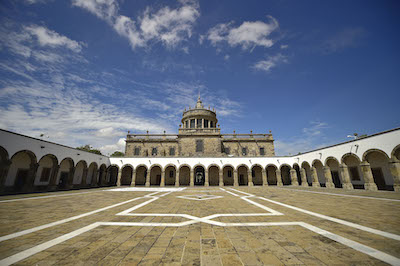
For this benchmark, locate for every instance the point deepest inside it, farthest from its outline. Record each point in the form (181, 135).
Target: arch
(155, 175)
(213, 174)
(317, 164)
(102, 174)
(170, 174)
(379, 163)
(297, 168)
(271, 174)
(349, 154)
(333, 165)
(199, 174)
(64, 177)
(256, 174)
(92, 174)
(22, 171)
(184, 175)
(46, 169)
(306, 166)
(395, 155)
(285, 173)
(80, 173)
(352, 161)
(228, 175)
(3, 154)
(243, 174)
(112, 175)
(141, 175)
(126, 175)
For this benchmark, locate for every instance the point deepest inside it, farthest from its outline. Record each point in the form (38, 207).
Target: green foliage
(117, 154)
(88, 148)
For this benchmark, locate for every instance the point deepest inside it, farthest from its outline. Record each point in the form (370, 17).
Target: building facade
(199, 135)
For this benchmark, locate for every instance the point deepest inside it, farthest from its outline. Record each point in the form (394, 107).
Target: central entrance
(199, 176)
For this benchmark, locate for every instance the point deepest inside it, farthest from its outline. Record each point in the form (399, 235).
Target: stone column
(70, 182)
(53, 178)
(249, 178)
(344, 174)
(206, 182)
(94, 179)
(133, 181)
(119, 177)
(148, 178)
(303, 175)
(278, 178)
(314, 175)
(235, 178)
(192, 176)
(5, 167)
(394, 167)
(368, 177)
(328, 177)
(221, 177)
(264, 177)
(162, 183)
(30, 182)
(293, 177)
(177, 178)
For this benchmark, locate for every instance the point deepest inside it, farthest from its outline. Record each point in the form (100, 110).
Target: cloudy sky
(87, 71)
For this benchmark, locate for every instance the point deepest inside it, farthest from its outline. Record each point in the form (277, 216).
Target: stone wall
(146, 148)
(253, 147)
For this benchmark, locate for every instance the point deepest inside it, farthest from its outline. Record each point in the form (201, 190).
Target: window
(171, 173)
(192, 123)
(227, 151)
(262, 151)
(199, 123)
(244, 151)
(199, 145)
(187, 124)
(137, 151)
(154, 151)
(205, 123)
(211, 124)
(354, 175)
(229, 173)
(171, 151)
(45, 174)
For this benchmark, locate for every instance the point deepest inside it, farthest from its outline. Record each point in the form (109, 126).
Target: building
(199, 155)
(199, 136)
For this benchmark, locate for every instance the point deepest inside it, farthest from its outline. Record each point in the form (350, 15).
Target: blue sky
(86, 71)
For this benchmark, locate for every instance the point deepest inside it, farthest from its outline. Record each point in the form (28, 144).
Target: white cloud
(248, 35)
(284, 46)
(315, 129)
(349, 37)
(270, 62)
(47, 37)
(168, 26)
(109, 149)
(226, 57)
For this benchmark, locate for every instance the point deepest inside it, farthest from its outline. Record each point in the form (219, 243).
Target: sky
(88, 71)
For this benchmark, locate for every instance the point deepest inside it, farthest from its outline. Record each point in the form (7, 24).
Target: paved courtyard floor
(201, 226)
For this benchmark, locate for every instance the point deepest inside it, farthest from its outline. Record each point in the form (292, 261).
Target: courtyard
(201, 226)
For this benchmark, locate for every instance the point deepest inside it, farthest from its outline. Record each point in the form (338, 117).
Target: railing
(152, 136)
(246, 136)
(199, 130)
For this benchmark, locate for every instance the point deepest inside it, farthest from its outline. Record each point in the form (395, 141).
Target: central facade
(199, 136)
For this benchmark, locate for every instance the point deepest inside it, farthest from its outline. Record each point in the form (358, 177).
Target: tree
(89, 148)
(117, 154)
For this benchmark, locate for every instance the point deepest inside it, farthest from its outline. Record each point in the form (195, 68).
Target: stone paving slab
(127, 240)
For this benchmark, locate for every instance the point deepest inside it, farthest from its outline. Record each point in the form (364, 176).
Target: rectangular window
(244, 151)
(199, 123)
(137, 151)
(45, 174)
(199, 145)
(354, 175)
(171, 151)
(154, 151)
(192, 123)
(205, 123)
(227, 151)
(229, 173)
(262, 151)
(211, 124)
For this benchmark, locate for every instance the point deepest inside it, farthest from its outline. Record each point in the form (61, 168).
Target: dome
(199, 117)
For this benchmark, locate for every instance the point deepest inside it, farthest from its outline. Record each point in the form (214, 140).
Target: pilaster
(278, 178)
(162, 183)
(235, 178)
(293, 177)
(368, 177)
(206, 182)
(314, 175)
(249, 179)
(221, 177)
(118, 177)
(394, 167)
(177, 178)
(147, 178)
(133, 181)
(192, 176)
(264, 177)
(328, 177)
(344, 174)
(303, 176)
